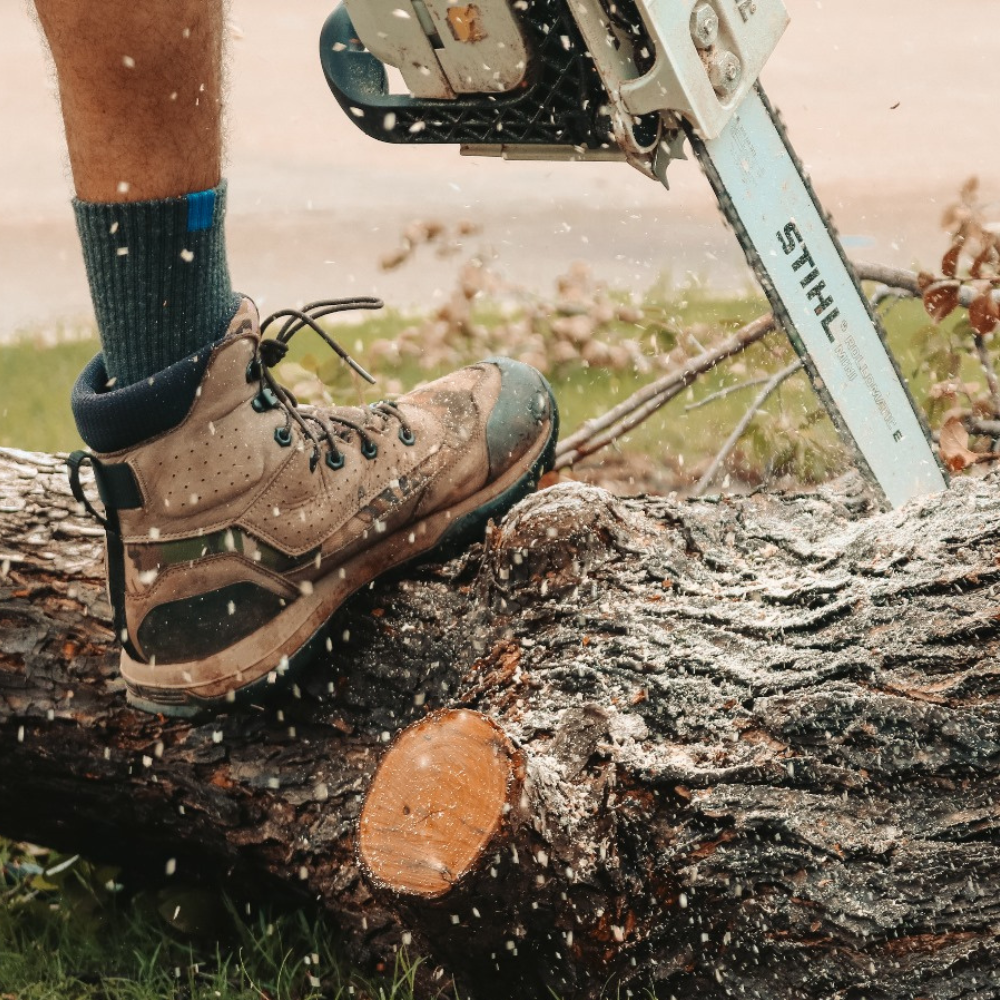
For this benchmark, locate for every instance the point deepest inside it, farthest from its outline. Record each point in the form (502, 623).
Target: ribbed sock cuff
(159, 279)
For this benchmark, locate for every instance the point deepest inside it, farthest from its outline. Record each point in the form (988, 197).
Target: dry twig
(601, 431)
(989, 372)
(728, 391)
(773, 383)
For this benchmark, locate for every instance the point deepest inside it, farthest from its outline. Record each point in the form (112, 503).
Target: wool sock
(159, 279)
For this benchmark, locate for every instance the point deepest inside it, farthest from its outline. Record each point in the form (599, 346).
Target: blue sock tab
(201, 210)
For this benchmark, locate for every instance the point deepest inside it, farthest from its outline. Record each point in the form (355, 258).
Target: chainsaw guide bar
(792, 246)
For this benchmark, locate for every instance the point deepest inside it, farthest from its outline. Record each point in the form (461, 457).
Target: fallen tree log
(747, 747)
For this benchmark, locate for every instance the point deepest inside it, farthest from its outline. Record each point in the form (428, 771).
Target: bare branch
(595, 434)
(601, 431)
(728, 391)
(884, 294)
(986, 428)
(739, 430)
(986, 362)
(907, 281)
(893, 277)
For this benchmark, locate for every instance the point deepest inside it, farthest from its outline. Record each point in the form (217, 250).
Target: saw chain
(632, 80)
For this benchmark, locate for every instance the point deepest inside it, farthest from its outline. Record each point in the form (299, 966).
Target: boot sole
(243, 672)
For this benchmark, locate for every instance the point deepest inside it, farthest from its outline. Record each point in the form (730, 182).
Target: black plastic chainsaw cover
(561, 101)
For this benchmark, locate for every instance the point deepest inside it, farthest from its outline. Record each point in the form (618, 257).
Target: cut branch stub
(438, 802)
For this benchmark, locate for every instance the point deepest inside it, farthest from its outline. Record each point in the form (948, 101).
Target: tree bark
(755, 742)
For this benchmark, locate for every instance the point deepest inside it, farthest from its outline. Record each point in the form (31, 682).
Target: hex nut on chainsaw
(704, 25)
(725, 71)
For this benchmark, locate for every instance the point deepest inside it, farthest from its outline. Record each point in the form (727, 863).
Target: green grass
(70, 937)
(792, 435)
(34, 404)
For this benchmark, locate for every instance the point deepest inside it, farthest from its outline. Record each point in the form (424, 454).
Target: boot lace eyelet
(369, 449)
(407, 436)
(283, 435)
(265, 400)
(334, 460)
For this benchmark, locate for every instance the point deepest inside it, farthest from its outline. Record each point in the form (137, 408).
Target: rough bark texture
(761, 741)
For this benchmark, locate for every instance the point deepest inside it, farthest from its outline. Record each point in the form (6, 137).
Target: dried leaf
(982, 407)
(419, 231)
(576, 329)
(925, 280)
(474, 279)
(390, 261)
(946, 390)
(987, 257)
(984, 313)
(953, 445)
(949, 263)
(941, 300)
(597, 354)
(630, 314)
(953, 218)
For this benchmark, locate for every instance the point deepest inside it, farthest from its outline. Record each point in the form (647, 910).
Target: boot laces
(318, 426)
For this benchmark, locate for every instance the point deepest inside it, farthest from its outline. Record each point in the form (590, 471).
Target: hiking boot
(237, 524)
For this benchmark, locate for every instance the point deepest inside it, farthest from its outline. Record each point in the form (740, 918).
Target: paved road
(891, 105)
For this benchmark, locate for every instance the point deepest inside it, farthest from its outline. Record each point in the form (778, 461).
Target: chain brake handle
(359, 80)
(557, 81)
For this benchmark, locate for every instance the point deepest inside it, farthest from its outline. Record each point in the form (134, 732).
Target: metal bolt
(704, 25)
(725, 71)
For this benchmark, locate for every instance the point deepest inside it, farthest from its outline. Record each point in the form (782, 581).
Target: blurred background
(891, 105)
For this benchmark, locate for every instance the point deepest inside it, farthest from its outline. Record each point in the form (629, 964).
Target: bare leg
(141, 89)
(140, 82)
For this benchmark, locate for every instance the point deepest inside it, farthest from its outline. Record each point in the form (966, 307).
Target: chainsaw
(631, 80)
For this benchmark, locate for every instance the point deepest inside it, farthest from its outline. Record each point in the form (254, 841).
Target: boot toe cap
(524, 413)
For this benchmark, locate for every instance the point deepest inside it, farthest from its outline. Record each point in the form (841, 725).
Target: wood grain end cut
(436, 803)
